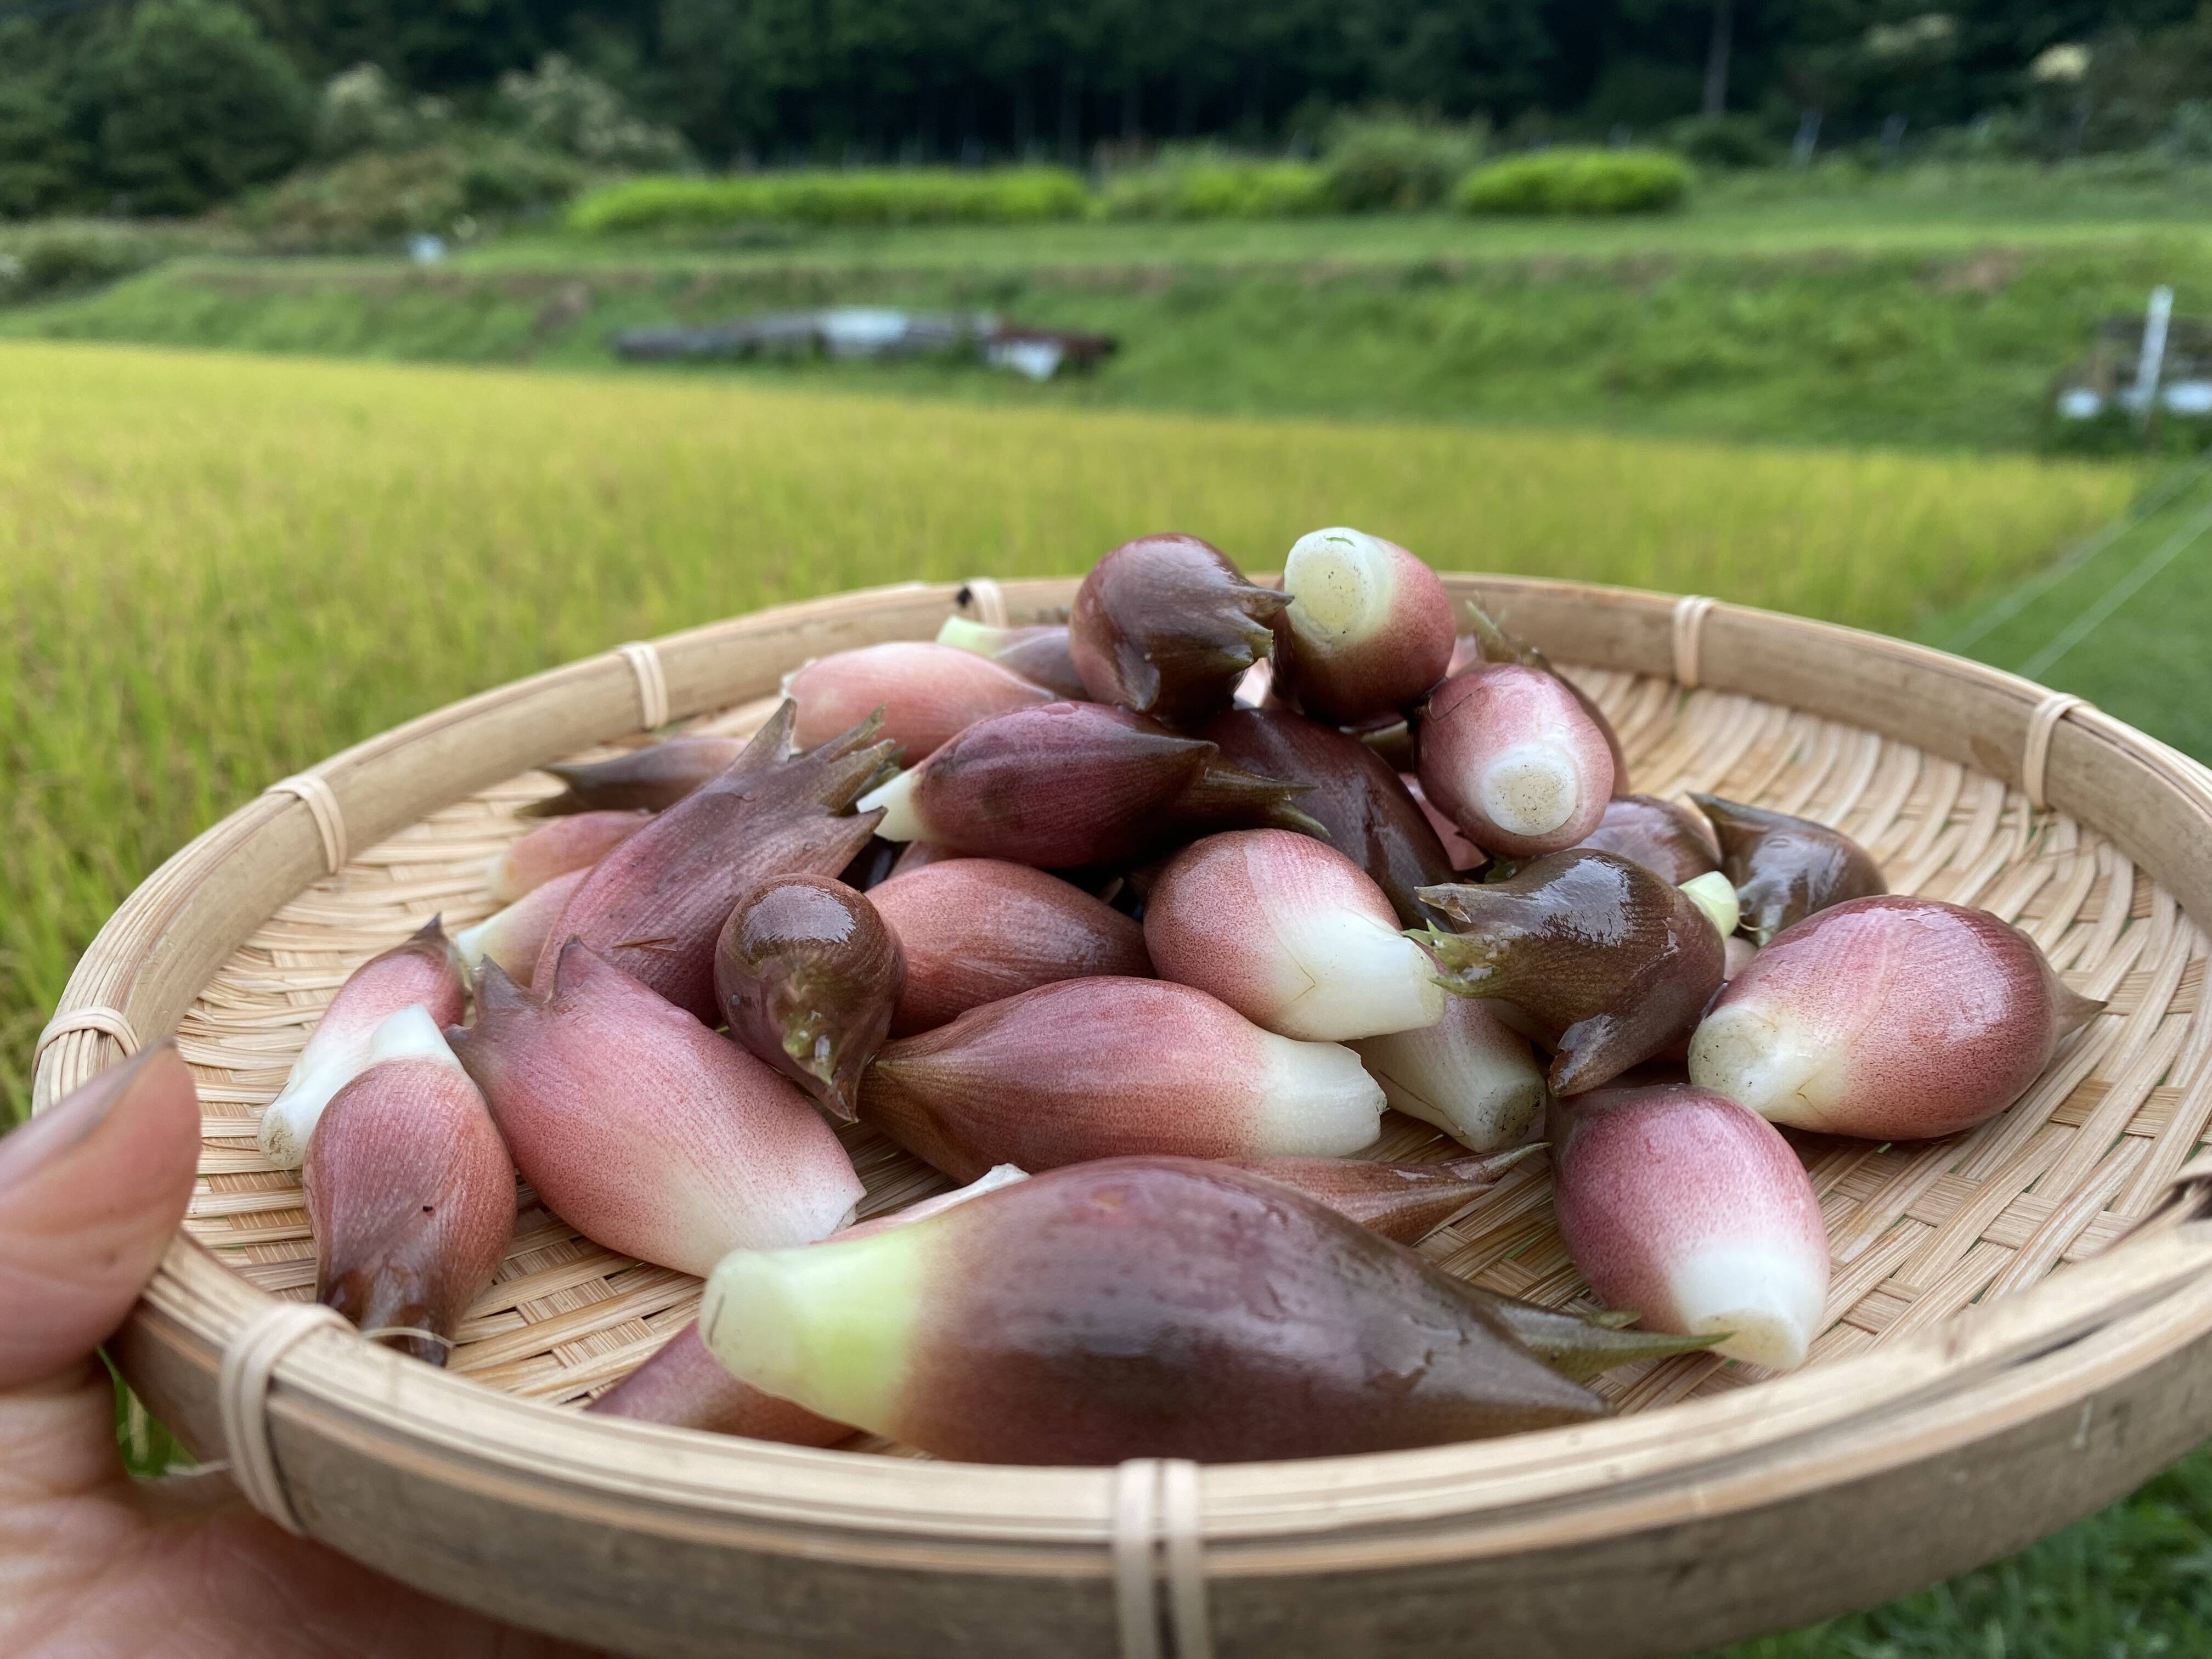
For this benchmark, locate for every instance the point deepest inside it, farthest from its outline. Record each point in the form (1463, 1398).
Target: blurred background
(358, 354)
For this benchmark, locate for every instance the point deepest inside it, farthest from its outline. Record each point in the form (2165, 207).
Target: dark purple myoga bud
(1406, 1202)
(1664, 836)
(1891, 1019)
(1166, 625)
(1367, 630)
(1681, 1205)
(1606, 964)
(807, 976)
(1103, 1067)
(644, 1130)
(1508, 755)
(975, 931)
(655, 906)
(684, 1385)
(555, 849)
(410, 1191)
(927, 693)
(646, 780)
(1786, 869)
(1038, 653)
(1351, 793)
(1133, 1308)
(1073, 784)
(1578, 1345)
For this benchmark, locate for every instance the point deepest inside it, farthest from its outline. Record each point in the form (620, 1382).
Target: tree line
(90, 90)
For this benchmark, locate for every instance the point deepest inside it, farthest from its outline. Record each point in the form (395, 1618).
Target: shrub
(558, 106)
(200, 105)
(373, 199)
(361, 109)
(1218, 187)
(55, 258)
(1380, 163)
(1725, 140)
(882, 196)
(1577, 181)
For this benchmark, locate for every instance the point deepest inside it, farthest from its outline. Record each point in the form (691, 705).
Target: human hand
(94, 1564)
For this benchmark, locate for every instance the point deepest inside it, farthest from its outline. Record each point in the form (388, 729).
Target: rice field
(215, 570)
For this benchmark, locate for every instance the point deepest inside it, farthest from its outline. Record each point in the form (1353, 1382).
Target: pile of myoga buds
(1135, 924)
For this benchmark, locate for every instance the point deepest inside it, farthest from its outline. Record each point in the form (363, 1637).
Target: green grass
(2122, 623)
(216, 569)
(1950, 351)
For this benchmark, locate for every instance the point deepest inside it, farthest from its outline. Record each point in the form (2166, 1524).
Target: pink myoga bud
(807, 975)
(1166, 626)
(1349, 791)
(516, 938)
(645, 780)
(1133, 1308)
(410, 1191)
(1785, 868)
(425, 970)
(975, 931)
(1602, 961)
(644, 1130)
(1463, 854)
(1489, 643)
(655, 906)
(1367, 630)
(558, 847)
(1507, 754)
(1037, 652)
(1470, 1074)
(1090, 1068)
(926, 692)
(1664, 836)
(1072, 783)
(1891, 1018)
(1291, 934)
(1678, 1204)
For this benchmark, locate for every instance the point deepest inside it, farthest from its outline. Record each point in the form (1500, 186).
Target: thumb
(90, 1192)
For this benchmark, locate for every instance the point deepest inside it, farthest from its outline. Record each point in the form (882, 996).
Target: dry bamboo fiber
(1966, 1397)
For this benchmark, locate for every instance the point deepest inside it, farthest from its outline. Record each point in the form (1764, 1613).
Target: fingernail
(46, 1137)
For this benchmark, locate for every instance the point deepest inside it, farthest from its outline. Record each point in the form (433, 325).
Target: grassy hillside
(1947, 351)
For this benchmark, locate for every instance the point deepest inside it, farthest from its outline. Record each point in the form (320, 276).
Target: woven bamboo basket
(2019, 1331)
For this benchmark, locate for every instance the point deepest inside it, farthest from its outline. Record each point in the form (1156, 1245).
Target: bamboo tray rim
(2145, 1298)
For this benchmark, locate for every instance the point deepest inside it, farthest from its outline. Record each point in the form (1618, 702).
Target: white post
(2151, 358)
